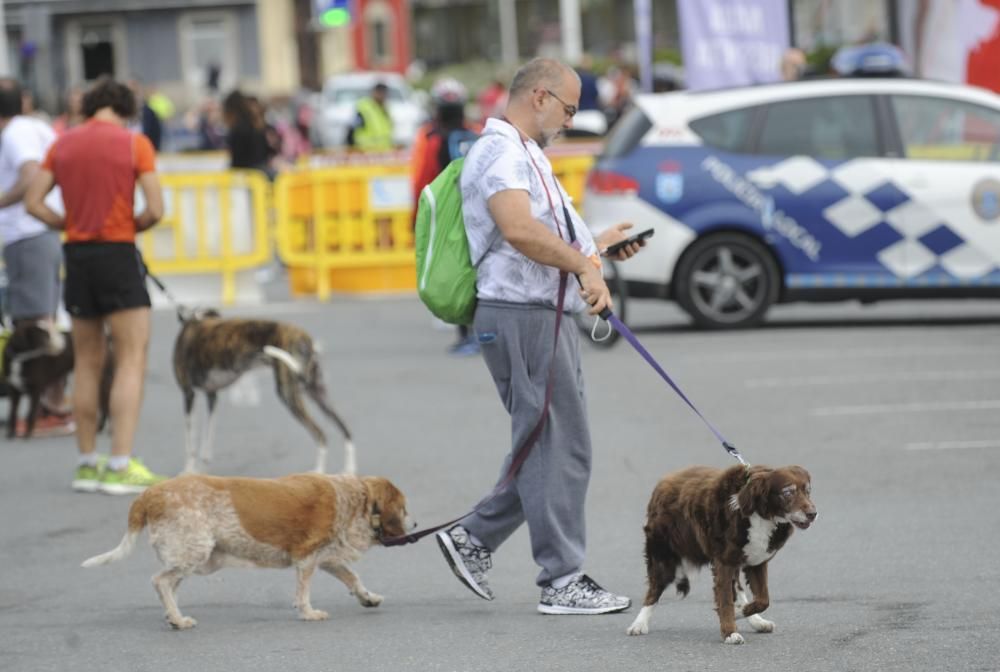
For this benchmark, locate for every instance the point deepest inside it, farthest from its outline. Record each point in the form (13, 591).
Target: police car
(815, 190)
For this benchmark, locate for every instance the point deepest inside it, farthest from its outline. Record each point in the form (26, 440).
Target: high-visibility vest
(376, 134)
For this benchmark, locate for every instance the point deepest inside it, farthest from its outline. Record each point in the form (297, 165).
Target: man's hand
(616, 234)
(593, 289)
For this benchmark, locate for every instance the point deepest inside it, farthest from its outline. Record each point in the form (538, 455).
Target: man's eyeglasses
(569, 110)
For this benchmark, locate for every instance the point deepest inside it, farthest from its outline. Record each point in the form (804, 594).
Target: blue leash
(620, 327)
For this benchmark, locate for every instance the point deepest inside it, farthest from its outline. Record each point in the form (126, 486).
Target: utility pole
(4, 61)
(643, 11)
(569, 21)
(508, 32)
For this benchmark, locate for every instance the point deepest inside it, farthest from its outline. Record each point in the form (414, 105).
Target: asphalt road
(894, 409)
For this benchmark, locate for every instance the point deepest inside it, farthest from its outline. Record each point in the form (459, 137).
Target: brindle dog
(211, 353)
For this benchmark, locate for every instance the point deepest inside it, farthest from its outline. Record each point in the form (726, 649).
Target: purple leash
(620, 327)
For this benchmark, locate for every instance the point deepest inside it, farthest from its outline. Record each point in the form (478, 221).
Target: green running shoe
(86, 478)
(131, 480)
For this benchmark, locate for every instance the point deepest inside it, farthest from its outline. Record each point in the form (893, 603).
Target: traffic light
(333, 13)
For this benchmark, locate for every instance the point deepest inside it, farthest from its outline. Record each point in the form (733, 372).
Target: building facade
(453, 31)
(180, 47)
(607, 27)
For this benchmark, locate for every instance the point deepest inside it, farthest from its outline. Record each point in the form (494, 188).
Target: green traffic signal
(335, 17)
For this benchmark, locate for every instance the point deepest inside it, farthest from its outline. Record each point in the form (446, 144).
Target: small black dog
(36, 356)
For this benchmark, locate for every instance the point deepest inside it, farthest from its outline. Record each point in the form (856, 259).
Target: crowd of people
(255, 136)
(97, 159)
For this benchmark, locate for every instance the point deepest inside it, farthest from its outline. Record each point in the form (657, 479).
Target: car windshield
(352, 94)
(626, 134)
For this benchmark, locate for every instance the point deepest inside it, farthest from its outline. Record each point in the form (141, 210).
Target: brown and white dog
(211, 353)
(200, 524)
(733, 519)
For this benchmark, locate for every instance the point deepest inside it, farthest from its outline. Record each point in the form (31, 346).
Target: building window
(379, 30)
(97, 51)
(208, 50)
(380, 47)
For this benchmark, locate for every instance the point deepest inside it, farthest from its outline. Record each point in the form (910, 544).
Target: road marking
(852, 353)
(919, 407)
(953, 445)
(859, 378)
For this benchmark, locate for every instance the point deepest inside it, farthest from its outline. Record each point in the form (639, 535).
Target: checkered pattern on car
(920, 247)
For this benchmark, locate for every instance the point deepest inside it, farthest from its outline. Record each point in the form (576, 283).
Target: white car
(816, 190)
(338, 107)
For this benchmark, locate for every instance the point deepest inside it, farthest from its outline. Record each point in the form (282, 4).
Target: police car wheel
(726, 281)
(585, 322)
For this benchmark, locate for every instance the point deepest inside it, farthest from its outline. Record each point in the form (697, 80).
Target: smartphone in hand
(617, 247)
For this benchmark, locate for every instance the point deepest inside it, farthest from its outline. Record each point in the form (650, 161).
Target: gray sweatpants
(33, 265)
(549, 491)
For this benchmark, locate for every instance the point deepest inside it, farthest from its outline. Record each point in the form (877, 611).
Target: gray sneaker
(468, 561)
(581, 596)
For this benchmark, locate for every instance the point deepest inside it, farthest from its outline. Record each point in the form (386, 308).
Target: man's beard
(545, 138)
(548, 138)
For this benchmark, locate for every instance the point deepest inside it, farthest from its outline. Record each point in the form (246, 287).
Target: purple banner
(732, 42)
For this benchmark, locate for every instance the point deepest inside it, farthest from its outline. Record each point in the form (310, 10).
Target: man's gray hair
(546, 73)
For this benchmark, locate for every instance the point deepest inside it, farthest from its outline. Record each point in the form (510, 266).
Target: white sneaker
(468, 561)
(582, 595)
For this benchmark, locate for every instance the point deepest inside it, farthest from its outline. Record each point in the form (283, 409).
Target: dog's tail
(312, 377)
(136, 522)
(285, 357)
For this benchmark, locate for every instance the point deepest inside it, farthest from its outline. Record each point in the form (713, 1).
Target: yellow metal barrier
(349, 228)
(214, 223)
(346, 228)
(572, 173)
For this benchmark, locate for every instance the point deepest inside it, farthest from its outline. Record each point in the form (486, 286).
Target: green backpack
(446, 276)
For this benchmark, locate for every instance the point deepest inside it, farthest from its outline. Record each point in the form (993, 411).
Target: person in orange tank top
(97, 165)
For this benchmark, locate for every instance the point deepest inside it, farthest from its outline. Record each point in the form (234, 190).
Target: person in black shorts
(98, 165)
(104, 278)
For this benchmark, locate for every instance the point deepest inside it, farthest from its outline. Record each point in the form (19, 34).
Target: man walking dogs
(520, 217)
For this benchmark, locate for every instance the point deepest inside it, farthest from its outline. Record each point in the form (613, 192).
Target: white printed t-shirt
(499, 161)
(24, 139)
